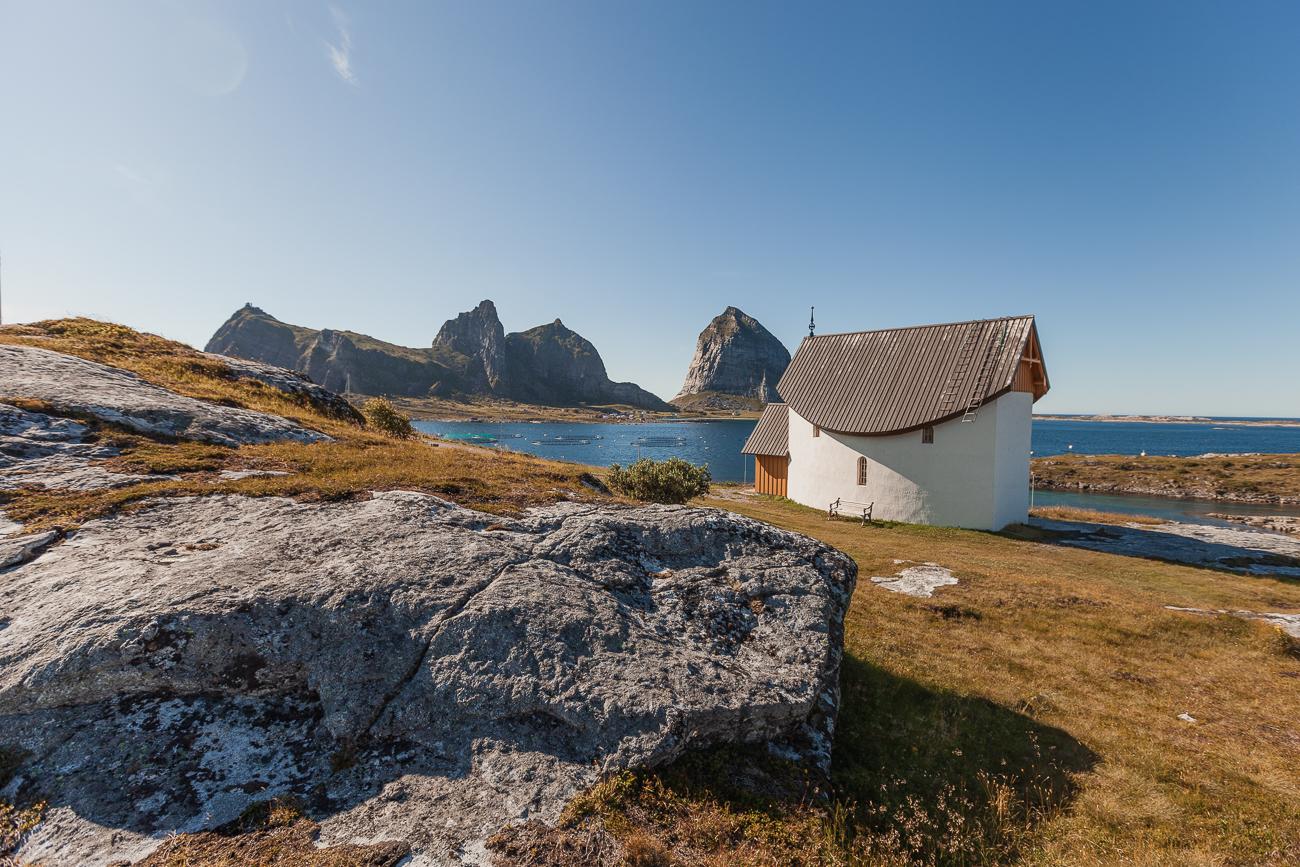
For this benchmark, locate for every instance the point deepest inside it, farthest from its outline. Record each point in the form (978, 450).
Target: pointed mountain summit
(737, 365)
(478, 335)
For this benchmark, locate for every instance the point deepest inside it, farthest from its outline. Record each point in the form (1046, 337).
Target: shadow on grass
(919, 776)
(947, 775)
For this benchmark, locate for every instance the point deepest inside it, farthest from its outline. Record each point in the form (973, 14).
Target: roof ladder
(948, 399)
(982, 382)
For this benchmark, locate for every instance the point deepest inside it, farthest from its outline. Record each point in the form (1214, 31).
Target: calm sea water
(717, 443)
(1057, 436)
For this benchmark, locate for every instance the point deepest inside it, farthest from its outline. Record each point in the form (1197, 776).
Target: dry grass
(358, 461)
(272, 833)
(1041, 728)
(1092, 516)
(170, 364)
(1257, 478)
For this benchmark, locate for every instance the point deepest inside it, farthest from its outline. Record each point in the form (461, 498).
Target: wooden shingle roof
(771, 436)
(895, 380)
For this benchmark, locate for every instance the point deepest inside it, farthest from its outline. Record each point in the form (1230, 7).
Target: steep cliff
(470, 356)
(554, 364)
(737, 365)
(478, 336)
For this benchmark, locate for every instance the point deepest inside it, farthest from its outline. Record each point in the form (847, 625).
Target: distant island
(1174, 419)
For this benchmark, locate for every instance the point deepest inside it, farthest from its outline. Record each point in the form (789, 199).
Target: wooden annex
(770, 474)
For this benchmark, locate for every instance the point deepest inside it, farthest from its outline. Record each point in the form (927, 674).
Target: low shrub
(671, 481)
(384, 417)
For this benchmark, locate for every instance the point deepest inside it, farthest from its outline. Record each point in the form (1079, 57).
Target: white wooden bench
(836, 509)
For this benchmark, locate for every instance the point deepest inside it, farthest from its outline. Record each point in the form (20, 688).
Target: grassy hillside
(357, 461)
(1027, 715)
(1252, 478)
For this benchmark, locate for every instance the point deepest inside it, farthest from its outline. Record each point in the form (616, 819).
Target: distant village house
(929, 424)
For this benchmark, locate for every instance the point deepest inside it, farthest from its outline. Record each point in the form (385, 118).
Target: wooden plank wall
(1024, 377)
(770, 473)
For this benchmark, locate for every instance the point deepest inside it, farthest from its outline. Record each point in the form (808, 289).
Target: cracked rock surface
(412, 670)
(110, 394)
(44, 451)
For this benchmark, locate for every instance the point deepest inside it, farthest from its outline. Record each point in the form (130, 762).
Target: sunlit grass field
(1029, 714)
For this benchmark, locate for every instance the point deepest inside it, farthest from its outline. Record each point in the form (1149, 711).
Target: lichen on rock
(408, 668)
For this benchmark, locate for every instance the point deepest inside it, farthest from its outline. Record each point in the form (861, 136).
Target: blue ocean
(717, 442)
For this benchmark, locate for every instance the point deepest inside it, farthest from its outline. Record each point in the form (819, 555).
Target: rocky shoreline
(1262, 479)
(1165, 491)
(1272, 523)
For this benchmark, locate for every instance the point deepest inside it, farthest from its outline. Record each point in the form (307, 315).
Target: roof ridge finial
(812, 325)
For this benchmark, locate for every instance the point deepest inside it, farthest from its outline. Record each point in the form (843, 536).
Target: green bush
(670, 481)
(384, 417)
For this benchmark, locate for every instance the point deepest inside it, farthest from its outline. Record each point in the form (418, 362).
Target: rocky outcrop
(409, 669)
(1225, 548)
(470, 356)
(85, 388)
(1271, 523)
(737, 365)
(44, 451)
(293, 383)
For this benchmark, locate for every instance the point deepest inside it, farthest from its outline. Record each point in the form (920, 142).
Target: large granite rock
(86, 388)
(410, 669)
(737, 364)
(470, 356)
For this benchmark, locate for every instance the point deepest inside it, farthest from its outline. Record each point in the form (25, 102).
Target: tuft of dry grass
(1093, 516)
(274, 832)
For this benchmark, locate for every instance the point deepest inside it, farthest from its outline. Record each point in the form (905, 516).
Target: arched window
(862, 471)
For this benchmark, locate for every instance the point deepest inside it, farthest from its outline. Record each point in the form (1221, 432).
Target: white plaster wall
(1015, 420)
(973, 475)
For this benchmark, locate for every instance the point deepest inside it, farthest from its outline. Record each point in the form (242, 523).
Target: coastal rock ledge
(411, 670)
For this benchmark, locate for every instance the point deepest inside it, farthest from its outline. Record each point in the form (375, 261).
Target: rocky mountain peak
(471, 355)
(737, 363)
(477, 334)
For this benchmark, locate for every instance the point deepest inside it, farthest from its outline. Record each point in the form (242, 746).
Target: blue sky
(1129, 172)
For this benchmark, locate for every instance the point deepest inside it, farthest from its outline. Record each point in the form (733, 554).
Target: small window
(927, 435)
(862, 471)
(817, 431)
